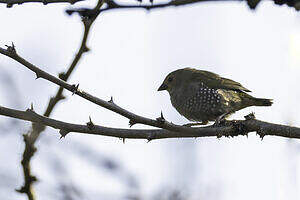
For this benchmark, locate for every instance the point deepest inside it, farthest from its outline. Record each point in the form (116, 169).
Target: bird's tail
(262, 102)
(248, 100)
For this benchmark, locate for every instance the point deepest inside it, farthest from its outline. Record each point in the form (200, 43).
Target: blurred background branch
(32, 136)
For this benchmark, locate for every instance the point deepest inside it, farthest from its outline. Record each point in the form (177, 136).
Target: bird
(202, 96)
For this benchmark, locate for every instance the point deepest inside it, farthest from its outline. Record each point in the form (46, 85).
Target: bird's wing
(213, 80)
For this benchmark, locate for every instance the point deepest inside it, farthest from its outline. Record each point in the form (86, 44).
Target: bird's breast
(201, 104)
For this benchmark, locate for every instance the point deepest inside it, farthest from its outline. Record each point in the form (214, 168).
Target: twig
(230, 128)
(10, 3)
(113, 5)
(31, 137)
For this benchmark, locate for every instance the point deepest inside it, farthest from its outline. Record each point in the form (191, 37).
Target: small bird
(203, 96)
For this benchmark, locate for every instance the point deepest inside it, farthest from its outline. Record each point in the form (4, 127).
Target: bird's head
(175, 80)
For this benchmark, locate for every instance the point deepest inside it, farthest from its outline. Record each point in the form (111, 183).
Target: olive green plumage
(204, 96)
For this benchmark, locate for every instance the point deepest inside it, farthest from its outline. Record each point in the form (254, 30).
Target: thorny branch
(10, 3)
(31, 137)
(112, 4)
(228, 128)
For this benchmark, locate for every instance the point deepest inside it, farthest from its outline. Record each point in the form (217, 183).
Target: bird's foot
(220, 120)
(196, 124)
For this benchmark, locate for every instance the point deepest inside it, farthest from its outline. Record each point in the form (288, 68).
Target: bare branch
(10, 3)
(229, 128)
(112, 5)
(31, 137)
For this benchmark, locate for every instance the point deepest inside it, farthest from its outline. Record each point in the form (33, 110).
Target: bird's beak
(162, 87)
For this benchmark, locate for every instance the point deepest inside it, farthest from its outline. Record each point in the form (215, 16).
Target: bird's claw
(220, 120)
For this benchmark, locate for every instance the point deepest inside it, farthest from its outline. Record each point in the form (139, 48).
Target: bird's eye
(170, 79)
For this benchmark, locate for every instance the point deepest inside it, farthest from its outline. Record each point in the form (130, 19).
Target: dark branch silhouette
(31, 137)
(10, 3)
(113, 5)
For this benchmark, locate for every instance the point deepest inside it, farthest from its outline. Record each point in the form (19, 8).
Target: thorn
(161, 119)
(250, 116)
(62, 76)
(219, 135)
(261, 137)
(69, 12)
(61, 97)
(45, 2)
(161, 115)
(33, 179)
(90, 124)
(31, 108)
(85, 49)
(21, 190)
(9, 5)
(111, 100)
(11, 48)
(63, 133)
(75, 88)
(123, 140)
(150, 137)
(37, 75)
(261, 134)
(72, 2)
(252, 3)
(131, 123)
(149, 140)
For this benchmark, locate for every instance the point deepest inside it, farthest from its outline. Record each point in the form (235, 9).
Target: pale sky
(131, 53)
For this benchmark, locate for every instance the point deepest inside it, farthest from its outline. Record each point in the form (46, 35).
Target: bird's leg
(220, 119)
(196, 124)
